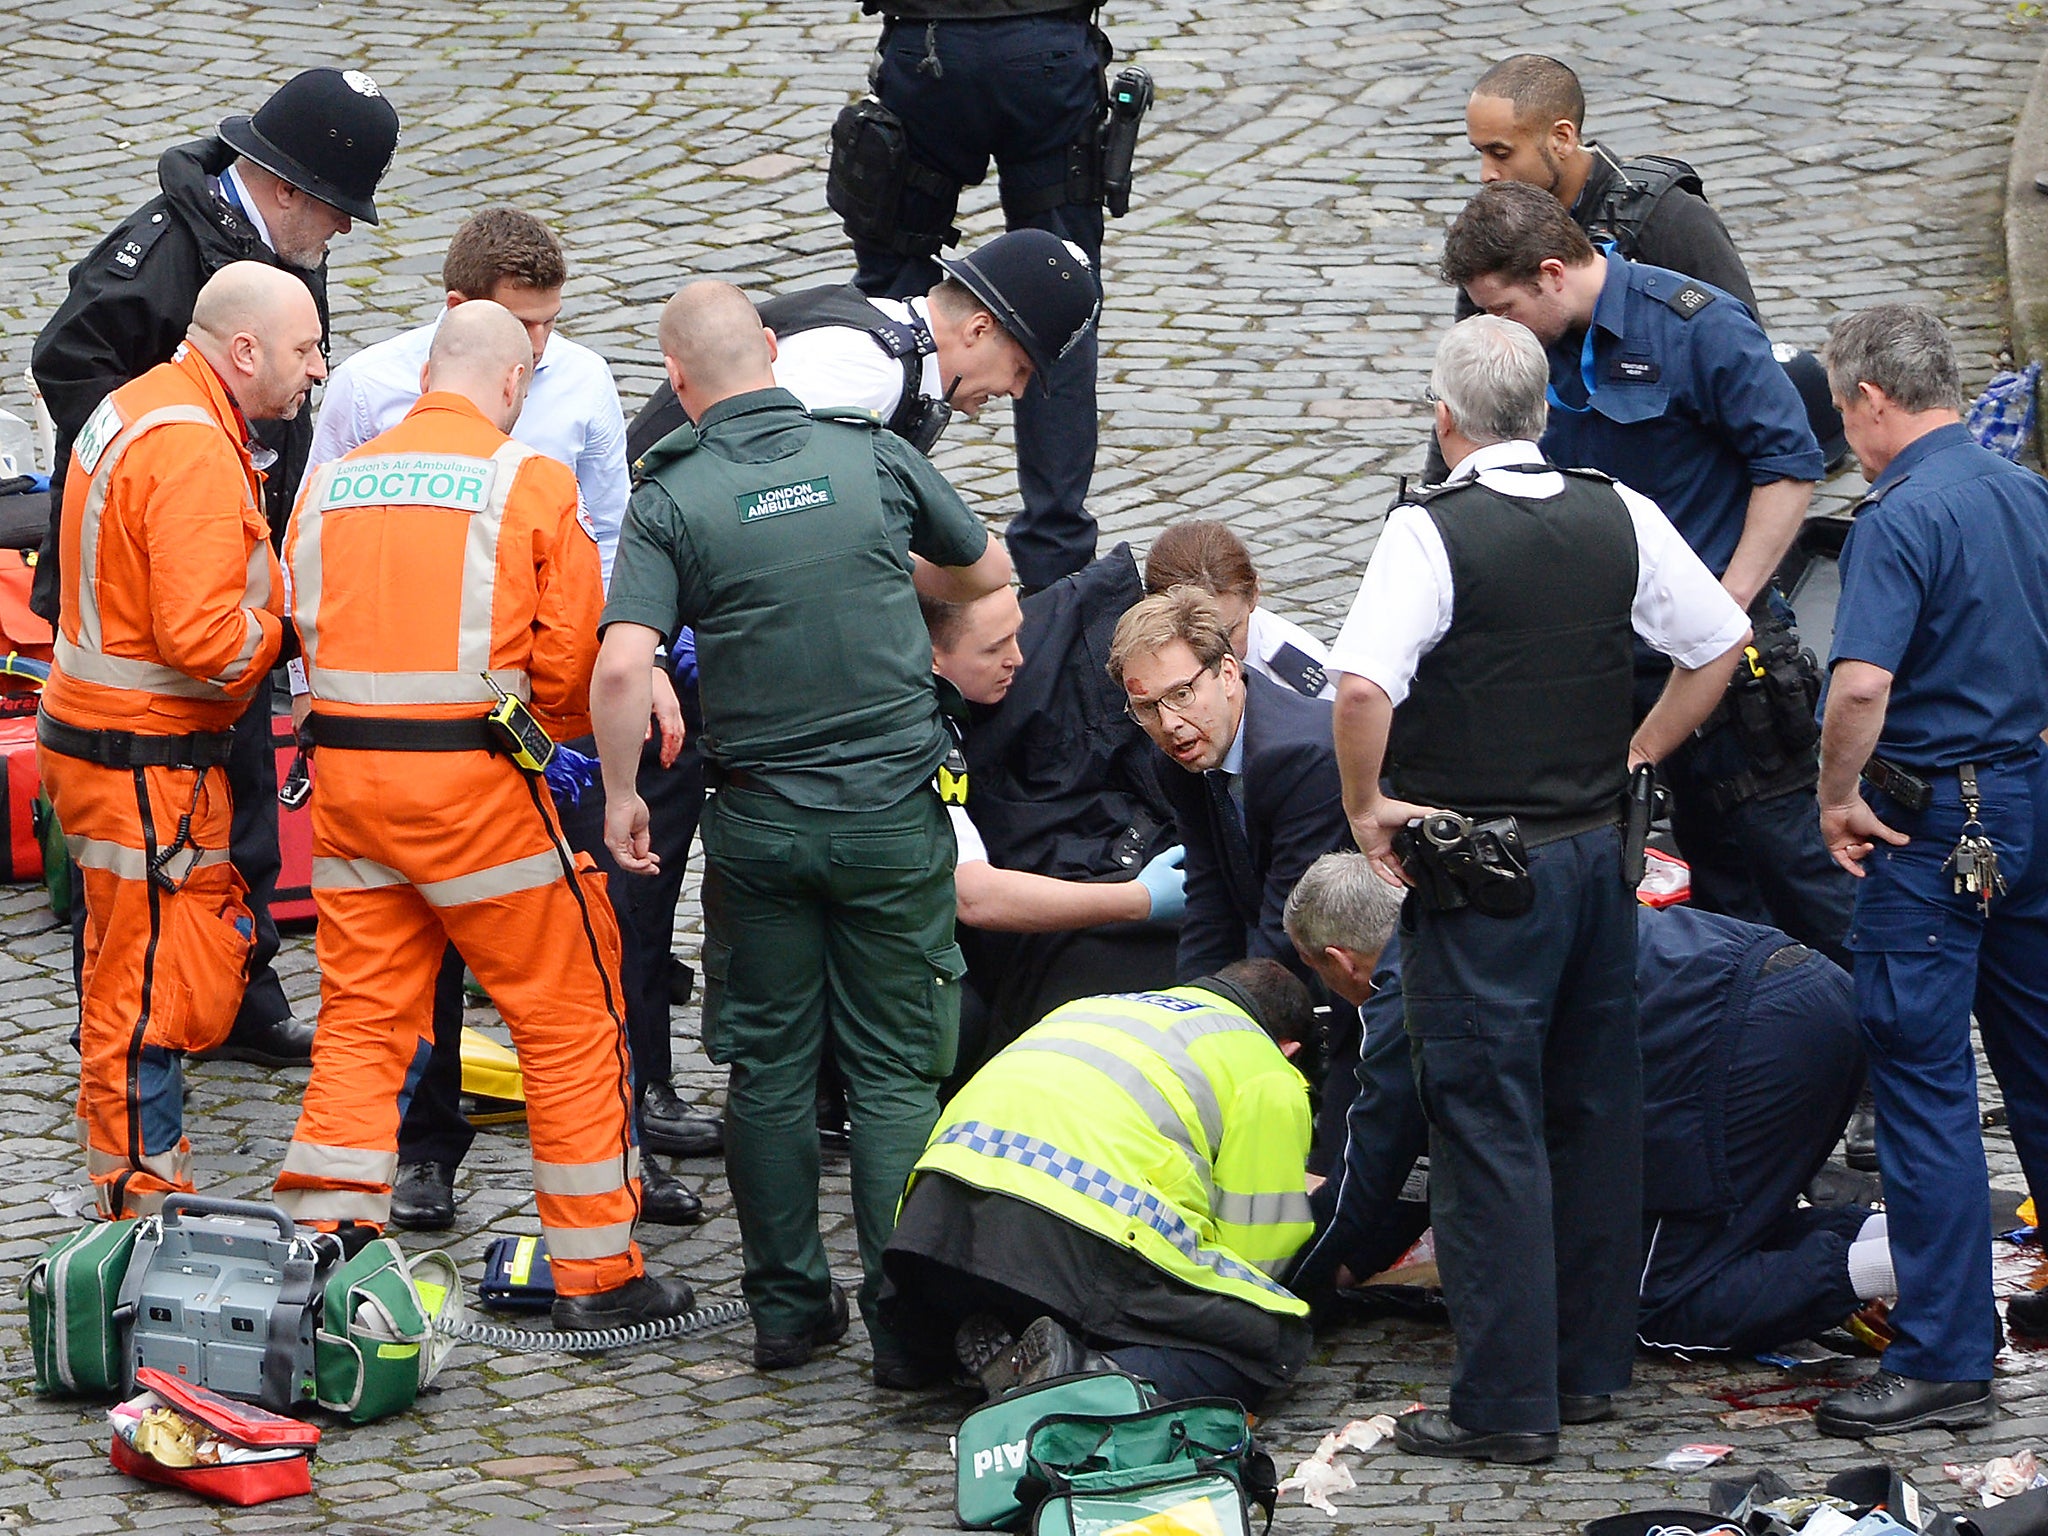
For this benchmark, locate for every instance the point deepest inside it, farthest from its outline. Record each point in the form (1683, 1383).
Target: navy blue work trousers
(1018, 90)
(1523, 1035)
(1764, 1271)
(433, 1128)
(1927, 958)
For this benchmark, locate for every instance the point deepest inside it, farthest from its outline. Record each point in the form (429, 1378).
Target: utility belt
(950, 781)
(872, 167)
(130, 749)
(717, 776)
(1770, 705)
(1457, 862)
(509, 730)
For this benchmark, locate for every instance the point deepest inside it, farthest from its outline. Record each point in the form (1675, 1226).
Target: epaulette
(1686, 300)
(861, 414)
(665, 452)
(1583, 473)
(126, 258)
(1299, 670)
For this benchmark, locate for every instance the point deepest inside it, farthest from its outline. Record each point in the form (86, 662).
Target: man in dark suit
(1260, 799)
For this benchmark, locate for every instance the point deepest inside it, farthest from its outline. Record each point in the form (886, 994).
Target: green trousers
(825, 930)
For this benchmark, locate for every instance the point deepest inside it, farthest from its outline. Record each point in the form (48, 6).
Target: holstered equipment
(1770, 705)
(871, 169)
(1456, 863)
(1638, 810)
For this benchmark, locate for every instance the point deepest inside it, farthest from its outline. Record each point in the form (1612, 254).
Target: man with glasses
(1259, 798)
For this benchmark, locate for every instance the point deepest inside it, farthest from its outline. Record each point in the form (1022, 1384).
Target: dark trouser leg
(1363, 1223)
(1021, 89)
(1754, 1277)
(252, 778)
(1524, 1046)
(2012, 975)
(764, 1016)
(432, 1128)
(892, 983)
(1180, 1373)
(1916, 946)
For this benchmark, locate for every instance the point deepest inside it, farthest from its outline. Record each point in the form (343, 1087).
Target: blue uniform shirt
(1693, 412)
(1945, 586)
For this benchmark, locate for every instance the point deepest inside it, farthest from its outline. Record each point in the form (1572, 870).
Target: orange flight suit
(170, 619)
(435, 556)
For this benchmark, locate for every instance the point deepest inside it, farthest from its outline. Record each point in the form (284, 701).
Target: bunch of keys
(1974, 864)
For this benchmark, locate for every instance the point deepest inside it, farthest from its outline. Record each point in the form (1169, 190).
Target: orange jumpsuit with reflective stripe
(431, 558)
(170, 618)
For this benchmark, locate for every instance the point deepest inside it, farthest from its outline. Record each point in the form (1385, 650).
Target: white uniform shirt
(839, 365)
(1403, 606)
(1267, 635)
(572, 414)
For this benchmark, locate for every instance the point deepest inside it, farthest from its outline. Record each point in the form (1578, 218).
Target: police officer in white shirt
(1197, 553)
(1486, 670)
(572, 414)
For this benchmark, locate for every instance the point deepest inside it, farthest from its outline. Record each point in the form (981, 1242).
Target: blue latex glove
(682, 657)
(569, 773)
(1163, 878)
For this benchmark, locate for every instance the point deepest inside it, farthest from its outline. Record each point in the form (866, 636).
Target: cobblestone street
(1272, 308)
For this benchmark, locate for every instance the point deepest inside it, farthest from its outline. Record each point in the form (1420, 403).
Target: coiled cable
(596, 1341)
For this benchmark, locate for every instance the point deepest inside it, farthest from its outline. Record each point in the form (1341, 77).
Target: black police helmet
(1811, 380)
(1040, 289)
(329, 132)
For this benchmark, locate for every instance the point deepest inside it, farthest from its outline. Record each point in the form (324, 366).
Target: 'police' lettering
(411, 480)
(800, 497)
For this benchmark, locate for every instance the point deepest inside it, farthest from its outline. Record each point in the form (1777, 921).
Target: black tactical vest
(1523, 708)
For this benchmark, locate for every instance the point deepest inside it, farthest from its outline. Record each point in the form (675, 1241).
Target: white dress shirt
(839, 365)
(1403, 606)
(572, 414)
(968, 848)
(1266, 633)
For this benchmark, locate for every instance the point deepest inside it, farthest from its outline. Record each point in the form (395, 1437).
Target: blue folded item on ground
(2002, 418)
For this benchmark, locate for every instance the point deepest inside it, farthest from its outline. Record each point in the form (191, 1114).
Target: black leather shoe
(665, 1126)
(285, 1042)
(642, 1299)
(663, 1200)
(423, 1199)
(898, 1370)
(1578, 1408)
(1859, 1141)
(2026, 1315)
(1431, 1432)
(1043, 1350)
(785, 1351)
(1888, 1403)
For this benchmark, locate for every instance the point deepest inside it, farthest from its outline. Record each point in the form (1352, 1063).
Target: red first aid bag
(284, 1446)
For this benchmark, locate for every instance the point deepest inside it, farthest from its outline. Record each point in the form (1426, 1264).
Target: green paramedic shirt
(784, 541)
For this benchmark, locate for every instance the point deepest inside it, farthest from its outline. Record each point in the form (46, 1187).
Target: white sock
(1872, 1230)
(1870, 1269)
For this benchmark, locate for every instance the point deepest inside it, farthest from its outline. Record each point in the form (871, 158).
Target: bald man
(169, 620)
(788, 540)
(438, 570)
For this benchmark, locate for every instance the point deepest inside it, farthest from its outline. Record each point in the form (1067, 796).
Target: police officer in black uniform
(274, 187)
(1499, 703)
(961, 81)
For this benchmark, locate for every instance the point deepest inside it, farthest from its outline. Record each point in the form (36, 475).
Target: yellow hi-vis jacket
(1164, 1122)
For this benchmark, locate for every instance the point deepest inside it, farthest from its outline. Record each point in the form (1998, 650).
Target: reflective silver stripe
(93, 666)
(89, 636)
(133, 863)
(608, 1242)
(353, 1165)
(402, 688)
(1271, 1210)
(603, 1177)
(459, 684)
(1128, 1076)
(1171, 1043)
(333, 1204)
(332, 874)
(531, 873)
(173, 1166)
(237, 669)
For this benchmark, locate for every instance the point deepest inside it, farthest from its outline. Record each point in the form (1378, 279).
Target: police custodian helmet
(1040, 289)
(329, 132)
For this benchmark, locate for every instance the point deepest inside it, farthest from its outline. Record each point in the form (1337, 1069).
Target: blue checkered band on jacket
(1104, 1188)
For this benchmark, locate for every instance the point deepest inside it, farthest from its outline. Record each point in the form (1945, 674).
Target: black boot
(642, 1299)
(663, 1200)
(423, 1199)
(285, 1042)
(666, 1126)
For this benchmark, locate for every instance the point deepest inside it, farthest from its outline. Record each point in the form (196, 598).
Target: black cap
(329, 132)
(1811, 380)
(1039, 287)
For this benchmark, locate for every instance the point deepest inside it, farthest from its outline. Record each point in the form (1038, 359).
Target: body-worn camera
(1456, 863)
